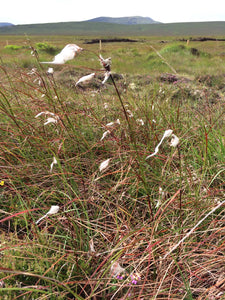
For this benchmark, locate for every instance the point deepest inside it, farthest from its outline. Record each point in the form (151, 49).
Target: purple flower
(134, 281)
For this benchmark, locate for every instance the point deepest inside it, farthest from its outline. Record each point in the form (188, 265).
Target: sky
(165, 11)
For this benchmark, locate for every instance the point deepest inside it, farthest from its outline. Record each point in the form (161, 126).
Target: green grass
(109, 29)
(136, 212)
(13, 47)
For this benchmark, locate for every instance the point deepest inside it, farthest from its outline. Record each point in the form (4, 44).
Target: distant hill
(125, 20)
(100, 29)
(5, 24)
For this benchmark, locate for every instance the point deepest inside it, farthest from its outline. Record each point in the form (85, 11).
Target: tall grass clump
(45, 47)
(110, 191)
(13, 47)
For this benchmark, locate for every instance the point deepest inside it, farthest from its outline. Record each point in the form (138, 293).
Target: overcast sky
(166, 11)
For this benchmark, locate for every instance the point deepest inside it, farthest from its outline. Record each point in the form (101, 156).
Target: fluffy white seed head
(104, 135)
(50, 71)
(107, 75)
(51, 120)
(86, 78)
(168, 133)
(53, 210)
(113, 123)
(104, 165)
(116, 269)
(174, 141)
(105, 62)
(67, 53)
(45, 113)
(140, 122)
(54, 162)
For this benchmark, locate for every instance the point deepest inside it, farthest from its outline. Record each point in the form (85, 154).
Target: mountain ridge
(6, 24)
(124, 20)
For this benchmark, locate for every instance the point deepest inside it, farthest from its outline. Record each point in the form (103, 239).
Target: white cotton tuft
(67, 53)
(105, 134)
(53, 210)
(174, 141)
(50, 71)
(140, 122)
(54, 162)
(107, 75)
(116, 269)
(129, 113)
(104, 165)
(105, 62)
(91, 246)
(166, 134)
(109, 124)
(113, 123)
(86, 78)
(45, 113)
(51, 120)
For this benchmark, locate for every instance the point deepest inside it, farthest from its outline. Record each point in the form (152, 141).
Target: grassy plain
(103, 29)
(157, 222)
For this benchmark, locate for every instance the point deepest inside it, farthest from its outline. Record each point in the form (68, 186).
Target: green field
(103, 29)
(150, 225)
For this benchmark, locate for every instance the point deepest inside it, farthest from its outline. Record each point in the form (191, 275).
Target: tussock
(118, 225)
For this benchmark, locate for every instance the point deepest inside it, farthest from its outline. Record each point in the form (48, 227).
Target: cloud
(25, 12)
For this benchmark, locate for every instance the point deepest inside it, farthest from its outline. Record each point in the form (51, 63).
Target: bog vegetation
(112, 29)
(114, 190)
